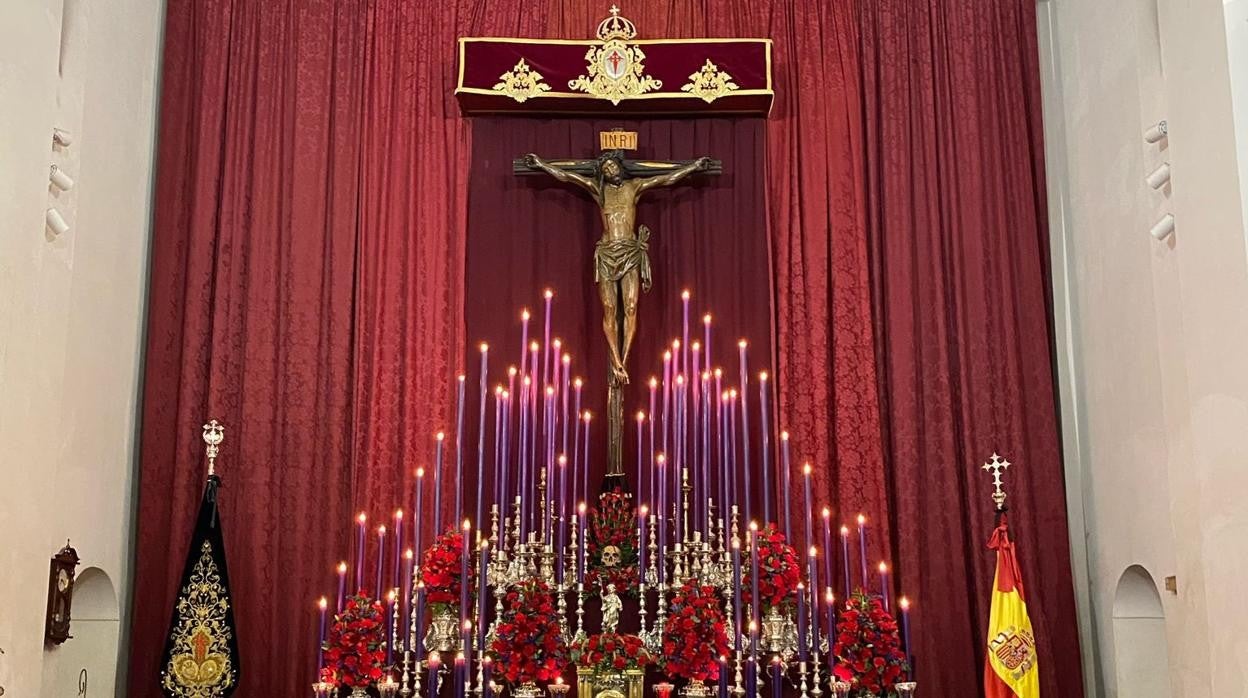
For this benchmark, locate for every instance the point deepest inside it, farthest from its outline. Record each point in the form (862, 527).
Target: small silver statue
(611, 606)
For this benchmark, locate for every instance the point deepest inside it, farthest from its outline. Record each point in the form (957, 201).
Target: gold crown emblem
(616, 27)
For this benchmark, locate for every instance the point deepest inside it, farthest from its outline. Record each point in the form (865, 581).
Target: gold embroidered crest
(710, 83)
(199, 665)
(616, 71)
(521, 82)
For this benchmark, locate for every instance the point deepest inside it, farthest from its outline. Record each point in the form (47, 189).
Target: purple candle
(765, 493)
(522, 484)
(755, 600)
(642, 512)
(323, 604)
(585, 470)
(499, 495)
(641, 422)
(802, 646)
(417, 522)
(862, 547)
(361, 523)
(884, 584)
(398, 548)
(485, 361)
(810, 536)
(460, 677)
(736, 584)
(706, 441)
(563, 395)
(459, 446)
(391, 631)
(342, 584)
(904, 604)
(420, 619)
(733, 479)
(830, 604)
(695, 380)
(812, 568)
(487, 673)
(381, 557)
(440, 438)
(465, 555)
(787, 467)
(482, 591)
(547, 294)
(776, 680)
(524, 341)
(684, 326)
(706, 340)
(827, 548)
(745, 429)
(661, 465)
(667, 391)
(654, 386)
(845, 560)
(563, 517)
(435, 667)
(723, 676)
(409, 558)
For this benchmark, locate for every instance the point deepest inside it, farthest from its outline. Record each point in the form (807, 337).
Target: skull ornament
(610, 556)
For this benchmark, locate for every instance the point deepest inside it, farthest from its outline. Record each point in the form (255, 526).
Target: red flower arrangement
(612, 524)
(778, 571)
(611, 653)
(355, 649)
(528, 645)
(694, 636)
(441, 568)
(868, 651)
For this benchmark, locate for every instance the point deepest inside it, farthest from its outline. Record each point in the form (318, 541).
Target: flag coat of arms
(201, 653)
(1010, 669)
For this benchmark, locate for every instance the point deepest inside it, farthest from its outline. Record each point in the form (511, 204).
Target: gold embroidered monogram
(521, 82)
(710, 83)
(200, 665)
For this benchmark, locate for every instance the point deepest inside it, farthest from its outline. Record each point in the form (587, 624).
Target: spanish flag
(1010, 668)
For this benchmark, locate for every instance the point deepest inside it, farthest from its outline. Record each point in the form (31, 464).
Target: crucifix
(996, 466)
(621, 259)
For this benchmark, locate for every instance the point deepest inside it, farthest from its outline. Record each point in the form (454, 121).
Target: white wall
(1151, 335)
(1237, 50)
(71, 307)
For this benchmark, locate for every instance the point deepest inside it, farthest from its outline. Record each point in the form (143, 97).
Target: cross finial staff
(996, 466)
(214, 434)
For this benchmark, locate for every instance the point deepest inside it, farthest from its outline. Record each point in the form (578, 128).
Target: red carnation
(868, 651)
(353, 651)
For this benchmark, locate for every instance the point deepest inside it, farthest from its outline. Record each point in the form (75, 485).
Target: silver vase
(443, 634)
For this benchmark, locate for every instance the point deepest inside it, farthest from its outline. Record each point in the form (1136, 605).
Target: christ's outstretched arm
(670, 178)
(562, 175)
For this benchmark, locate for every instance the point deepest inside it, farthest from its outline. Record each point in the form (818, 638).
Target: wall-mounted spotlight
(1158, 177)
(1163, 228)
(56, 222)
(1157, 131)
(60, 180)
(62, 137)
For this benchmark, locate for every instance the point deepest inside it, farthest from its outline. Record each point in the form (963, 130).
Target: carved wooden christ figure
(621, 257)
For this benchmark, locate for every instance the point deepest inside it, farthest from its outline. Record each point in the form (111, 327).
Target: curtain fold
(959, 240)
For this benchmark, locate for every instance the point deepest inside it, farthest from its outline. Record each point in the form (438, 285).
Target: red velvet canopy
(673, 63)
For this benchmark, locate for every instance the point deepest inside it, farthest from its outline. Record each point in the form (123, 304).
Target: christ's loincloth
(614, 259)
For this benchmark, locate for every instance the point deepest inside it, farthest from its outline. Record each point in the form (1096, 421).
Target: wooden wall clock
(60, 595)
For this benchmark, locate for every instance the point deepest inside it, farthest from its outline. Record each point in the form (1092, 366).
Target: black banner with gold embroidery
(201, 653)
